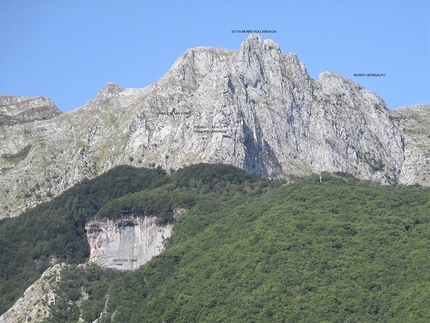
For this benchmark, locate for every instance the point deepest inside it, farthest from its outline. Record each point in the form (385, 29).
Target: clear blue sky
(68, 50)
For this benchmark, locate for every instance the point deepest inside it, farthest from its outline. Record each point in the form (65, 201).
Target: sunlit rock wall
(126, 244)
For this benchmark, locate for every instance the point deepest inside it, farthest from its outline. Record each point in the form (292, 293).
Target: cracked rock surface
(255, 108)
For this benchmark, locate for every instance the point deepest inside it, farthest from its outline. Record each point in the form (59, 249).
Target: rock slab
(126, 244)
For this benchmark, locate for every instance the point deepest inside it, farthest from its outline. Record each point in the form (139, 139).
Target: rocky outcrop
(21, 109)
(255, 108)
(414, 122)
(126, 244)
(33, 306)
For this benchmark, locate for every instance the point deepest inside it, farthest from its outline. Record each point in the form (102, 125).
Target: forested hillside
(329, 249)
(56, 229)
(337, 251)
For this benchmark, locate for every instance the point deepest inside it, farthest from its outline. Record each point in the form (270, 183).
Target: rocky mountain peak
(257, 46)
(271, 45)
(252, 44)
(333, 82)
(109, 90)
(255, 43)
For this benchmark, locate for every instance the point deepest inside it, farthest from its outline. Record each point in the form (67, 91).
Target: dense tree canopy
(248, 250)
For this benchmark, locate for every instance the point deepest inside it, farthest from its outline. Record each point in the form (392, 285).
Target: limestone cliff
(255, 108)
(126, 244)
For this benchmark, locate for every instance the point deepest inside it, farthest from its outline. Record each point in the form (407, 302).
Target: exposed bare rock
(33, 306)
(109, 90)
(126, 244)
(21, 109)
(414, 122)
(255, 108)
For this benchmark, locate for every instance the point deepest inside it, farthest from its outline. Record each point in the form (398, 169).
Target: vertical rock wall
(126, 244)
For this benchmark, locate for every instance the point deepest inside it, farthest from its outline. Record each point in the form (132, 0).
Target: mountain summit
(255, 107)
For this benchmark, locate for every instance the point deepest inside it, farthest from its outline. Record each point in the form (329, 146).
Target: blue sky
(68, 50)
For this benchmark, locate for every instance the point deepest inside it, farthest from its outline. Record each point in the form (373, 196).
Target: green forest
(334, 249)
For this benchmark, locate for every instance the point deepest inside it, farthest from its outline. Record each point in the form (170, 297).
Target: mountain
(255, 108)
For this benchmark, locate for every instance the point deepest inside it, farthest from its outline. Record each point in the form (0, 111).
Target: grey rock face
(414, 122)
(33, 306)
(21, 109)
(126, 244)
(255, 108)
